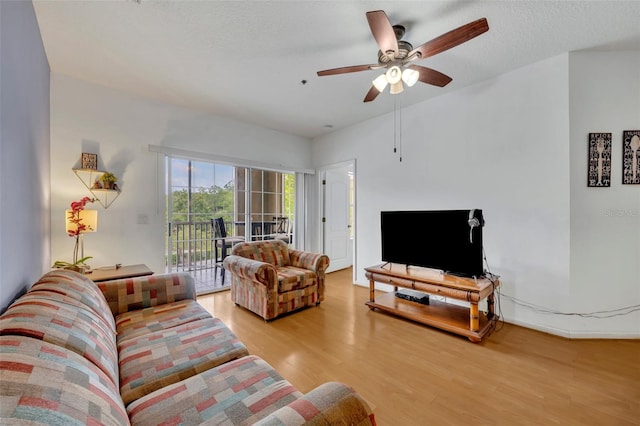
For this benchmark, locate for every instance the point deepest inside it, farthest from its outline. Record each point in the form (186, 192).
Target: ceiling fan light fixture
(410, 76)
(380, 82)
(394, 74)
(396, 88)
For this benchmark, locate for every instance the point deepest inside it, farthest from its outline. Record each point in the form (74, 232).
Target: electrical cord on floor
(544, 310)
(498, 309)
(597, 314)
(497, 320)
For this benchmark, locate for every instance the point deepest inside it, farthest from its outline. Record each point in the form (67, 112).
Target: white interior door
(337, 240)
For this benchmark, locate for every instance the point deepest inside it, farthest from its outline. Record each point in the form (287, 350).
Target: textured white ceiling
(246, 59)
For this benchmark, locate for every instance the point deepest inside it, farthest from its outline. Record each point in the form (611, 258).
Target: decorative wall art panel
(89, 161)
(599, 160)
(630, 154)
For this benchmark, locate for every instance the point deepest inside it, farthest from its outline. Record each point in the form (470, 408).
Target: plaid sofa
(142, 351)
(270, 279)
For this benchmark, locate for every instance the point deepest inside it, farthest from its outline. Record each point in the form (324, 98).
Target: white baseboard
(362, 283)
(575, 334)
(604, 335)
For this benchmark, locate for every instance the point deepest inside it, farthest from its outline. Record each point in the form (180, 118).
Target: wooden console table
(466, 321)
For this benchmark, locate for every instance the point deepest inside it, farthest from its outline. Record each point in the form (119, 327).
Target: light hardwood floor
(412, 374)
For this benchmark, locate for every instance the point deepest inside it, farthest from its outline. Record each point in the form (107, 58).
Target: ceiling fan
(396, 55)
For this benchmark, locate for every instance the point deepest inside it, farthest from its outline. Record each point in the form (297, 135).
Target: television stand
(462, 320)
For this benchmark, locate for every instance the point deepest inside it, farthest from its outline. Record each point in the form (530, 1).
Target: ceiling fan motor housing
(404, 47)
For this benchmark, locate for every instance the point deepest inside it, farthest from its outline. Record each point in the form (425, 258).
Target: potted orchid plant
(75, 230)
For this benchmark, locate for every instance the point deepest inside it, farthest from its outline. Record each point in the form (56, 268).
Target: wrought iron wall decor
(599, 172)
(630, 154)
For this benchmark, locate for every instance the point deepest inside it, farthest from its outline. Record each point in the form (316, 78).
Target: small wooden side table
(107, 273)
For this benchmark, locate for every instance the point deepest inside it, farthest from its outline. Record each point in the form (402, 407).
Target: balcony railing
(191, 246)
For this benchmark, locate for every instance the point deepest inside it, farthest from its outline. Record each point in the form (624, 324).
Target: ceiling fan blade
(371, 94)
(344, 70)
(382, 31)
(451, 39)
(431, 76)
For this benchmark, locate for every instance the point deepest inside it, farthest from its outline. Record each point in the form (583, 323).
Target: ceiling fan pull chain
(395, 126)
(400, 133)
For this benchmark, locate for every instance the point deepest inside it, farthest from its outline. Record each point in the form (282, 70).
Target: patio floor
(210, 280)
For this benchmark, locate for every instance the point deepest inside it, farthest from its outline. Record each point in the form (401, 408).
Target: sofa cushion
(274, 252)
(140, 322)
(64, 323)
(297, 299)
(76, 286)
(163, 357)
(292, 278)
(45, 384)
(130, 294)
(331, 403)
(238, 392)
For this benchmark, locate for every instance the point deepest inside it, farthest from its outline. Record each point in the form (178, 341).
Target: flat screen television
(438, 239)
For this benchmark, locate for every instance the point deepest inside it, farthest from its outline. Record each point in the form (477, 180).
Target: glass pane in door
(198, 192)
(271, 205)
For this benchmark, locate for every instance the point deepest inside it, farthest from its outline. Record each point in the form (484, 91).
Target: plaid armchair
(270, 279)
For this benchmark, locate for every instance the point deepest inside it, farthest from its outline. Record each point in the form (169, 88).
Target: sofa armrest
(315, 262)
(130, 294)
(331, 403)
(254, 270)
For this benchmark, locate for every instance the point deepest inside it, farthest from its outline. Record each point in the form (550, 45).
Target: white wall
(605, 222)
(119, 127)
(503, 146)
(24, 151)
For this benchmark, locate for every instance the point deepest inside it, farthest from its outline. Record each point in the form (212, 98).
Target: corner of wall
(25, 151)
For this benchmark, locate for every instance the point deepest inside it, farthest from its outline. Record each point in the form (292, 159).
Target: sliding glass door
(256, 204)
(265, 204)
(197, 192)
